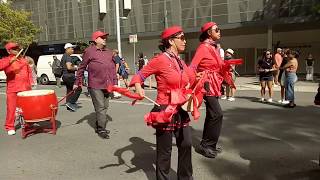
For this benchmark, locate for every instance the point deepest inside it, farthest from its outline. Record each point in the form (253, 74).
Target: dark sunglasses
(182, 38)
(268, 54)
(217, 30)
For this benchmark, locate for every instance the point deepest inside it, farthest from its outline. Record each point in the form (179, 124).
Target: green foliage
(316, 9)
(15, 25)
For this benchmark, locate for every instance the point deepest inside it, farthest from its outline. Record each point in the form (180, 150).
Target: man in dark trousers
(69, 68)
(98, 59)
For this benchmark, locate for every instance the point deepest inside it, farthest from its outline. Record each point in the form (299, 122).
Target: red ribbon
(125, 92)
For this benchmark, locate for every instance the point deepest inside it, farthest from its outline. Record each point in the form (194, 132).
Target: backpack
(56, 67)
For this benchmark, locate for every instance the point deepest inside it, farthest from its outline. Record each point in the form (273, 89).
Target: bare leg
(270, 83)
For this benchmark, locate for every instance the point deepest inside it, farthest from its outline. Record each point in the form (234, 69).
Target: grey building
(248, 26)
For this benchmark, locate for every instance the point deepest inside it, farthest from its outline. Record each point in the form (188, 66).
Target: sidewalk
(252, 83)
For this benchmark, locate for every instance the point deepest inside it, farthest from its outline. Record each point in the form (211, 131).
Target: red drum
(37, 105)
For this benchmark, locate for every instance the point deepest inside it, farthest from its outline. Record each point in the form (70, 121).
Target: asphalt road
(261, 142)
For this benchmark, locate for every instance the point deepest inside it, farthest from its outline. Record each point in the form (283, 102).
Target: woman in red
(172, 79)
(207, 60)
(19, 78)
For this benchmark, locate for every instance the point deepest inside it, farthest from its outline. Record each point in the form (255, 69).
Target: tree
(15, 25)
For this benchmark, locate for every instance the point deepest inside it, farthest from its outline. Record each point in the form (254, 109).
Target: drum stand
(32, 127)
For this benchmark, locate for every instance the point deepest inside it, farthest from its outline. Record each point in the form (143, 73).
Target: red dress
(207, 59)
(172, 76)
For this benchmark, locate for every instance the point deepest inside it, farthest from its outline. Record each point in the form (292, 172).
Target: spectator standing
(57, 70)
(278, 60)
(117, 61)
(291, 77)
(282, 77)
(265, 68)
(309, 67)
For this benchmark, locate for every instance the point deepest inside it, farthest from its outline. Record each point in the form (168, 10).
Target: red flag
(125, 92)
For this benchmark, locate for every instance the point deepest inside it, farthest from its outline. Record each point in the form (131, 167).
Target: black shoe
(218, 149)
(71, 107)
(103, 134)
(104, 130)
(206, 152)
(290, 105)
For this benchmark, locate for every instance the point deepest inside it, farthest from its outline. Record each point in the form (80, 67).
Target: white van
(3, 76)
(44, 70)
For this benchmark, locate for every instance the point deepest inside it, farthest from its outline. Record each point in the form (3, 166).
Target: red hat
(97, 34)
(206, 26)
(11, 45)
(170, 31)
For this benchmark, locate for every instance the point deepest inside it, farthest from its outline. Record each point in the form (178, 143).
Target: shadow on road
(144, 158)
(91, 119)
(267, 144)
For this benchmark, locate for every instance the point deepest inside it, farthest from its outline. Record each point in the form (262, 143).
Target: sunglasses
(182, 38)
(268, 54)
(217, 30)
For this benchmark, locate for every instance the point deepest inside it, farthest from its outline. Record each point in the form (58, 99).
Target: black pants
(213, 122)
(69, 80)
(164, 148)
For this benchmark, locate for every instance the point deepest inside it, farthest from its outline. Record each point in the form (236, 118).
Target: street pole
(134, 57)
(118, 27)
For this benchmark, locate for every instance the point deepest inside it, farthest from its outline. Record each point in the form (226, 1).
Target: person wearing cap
(19, 78)
(207, 61)
(172, 76)
(230, 91)
(69, 67)
(100, 64)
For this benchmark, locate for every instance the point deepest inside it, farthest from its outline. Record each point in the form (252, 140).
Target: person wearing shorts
(265, 67)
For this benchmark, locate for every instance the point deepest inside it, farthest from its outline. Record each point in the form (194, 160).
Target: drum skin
(37, 107)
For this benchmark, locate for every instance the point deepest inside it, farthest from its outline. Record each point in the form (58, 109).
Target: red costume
(208, 60)
(171, 83)
(19, 78)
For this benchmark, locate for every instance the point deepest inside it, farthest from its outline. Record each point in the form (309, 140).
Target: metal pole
(118, 27)
(134, 57)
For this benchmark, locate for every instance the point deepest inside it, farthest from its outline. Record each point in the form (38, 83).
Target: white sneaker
(11, 132)
(223, 97)
(262, 99)
(285, 102)
(280, 101)
(231, 99)
(270, 100)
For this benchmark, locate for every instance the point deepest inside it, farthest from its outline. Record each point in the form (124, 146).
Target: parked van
(44, 67)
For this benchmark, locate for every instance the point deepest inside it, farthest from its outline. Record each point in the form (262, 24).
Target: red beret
(170, 31)
(11, 45)
(207, 25)
(97, 34)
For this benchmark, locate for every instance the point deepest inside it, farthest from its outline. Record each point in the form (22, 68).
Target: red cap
(206, 26)
(97, 34)
(170, 31)
(11, 45)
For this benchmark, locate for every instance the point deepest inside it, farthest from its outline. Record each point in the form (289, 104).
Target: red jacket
(167, 74)
(19, 74)
(207, 58)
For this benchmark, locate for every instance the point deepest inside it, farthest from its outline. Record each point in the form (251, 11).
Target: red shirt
(19, 74)
(207, 58)
(168, 76)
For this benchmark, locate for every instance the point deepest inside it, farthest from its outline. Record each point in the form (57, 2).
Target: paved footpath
(261, 141)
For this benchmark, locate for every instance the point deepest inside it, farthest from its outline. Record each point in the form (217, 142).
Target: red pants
(11, 110)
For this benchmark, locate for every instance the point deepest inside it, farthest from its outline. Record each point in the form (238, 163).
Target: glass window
(220, 9)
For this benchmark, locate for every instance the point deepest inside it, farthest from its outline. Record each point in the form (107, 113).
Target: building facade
(248, 26)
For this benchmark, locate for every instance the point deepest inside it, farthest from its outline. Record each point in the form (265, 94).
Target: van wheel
(44, 80)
